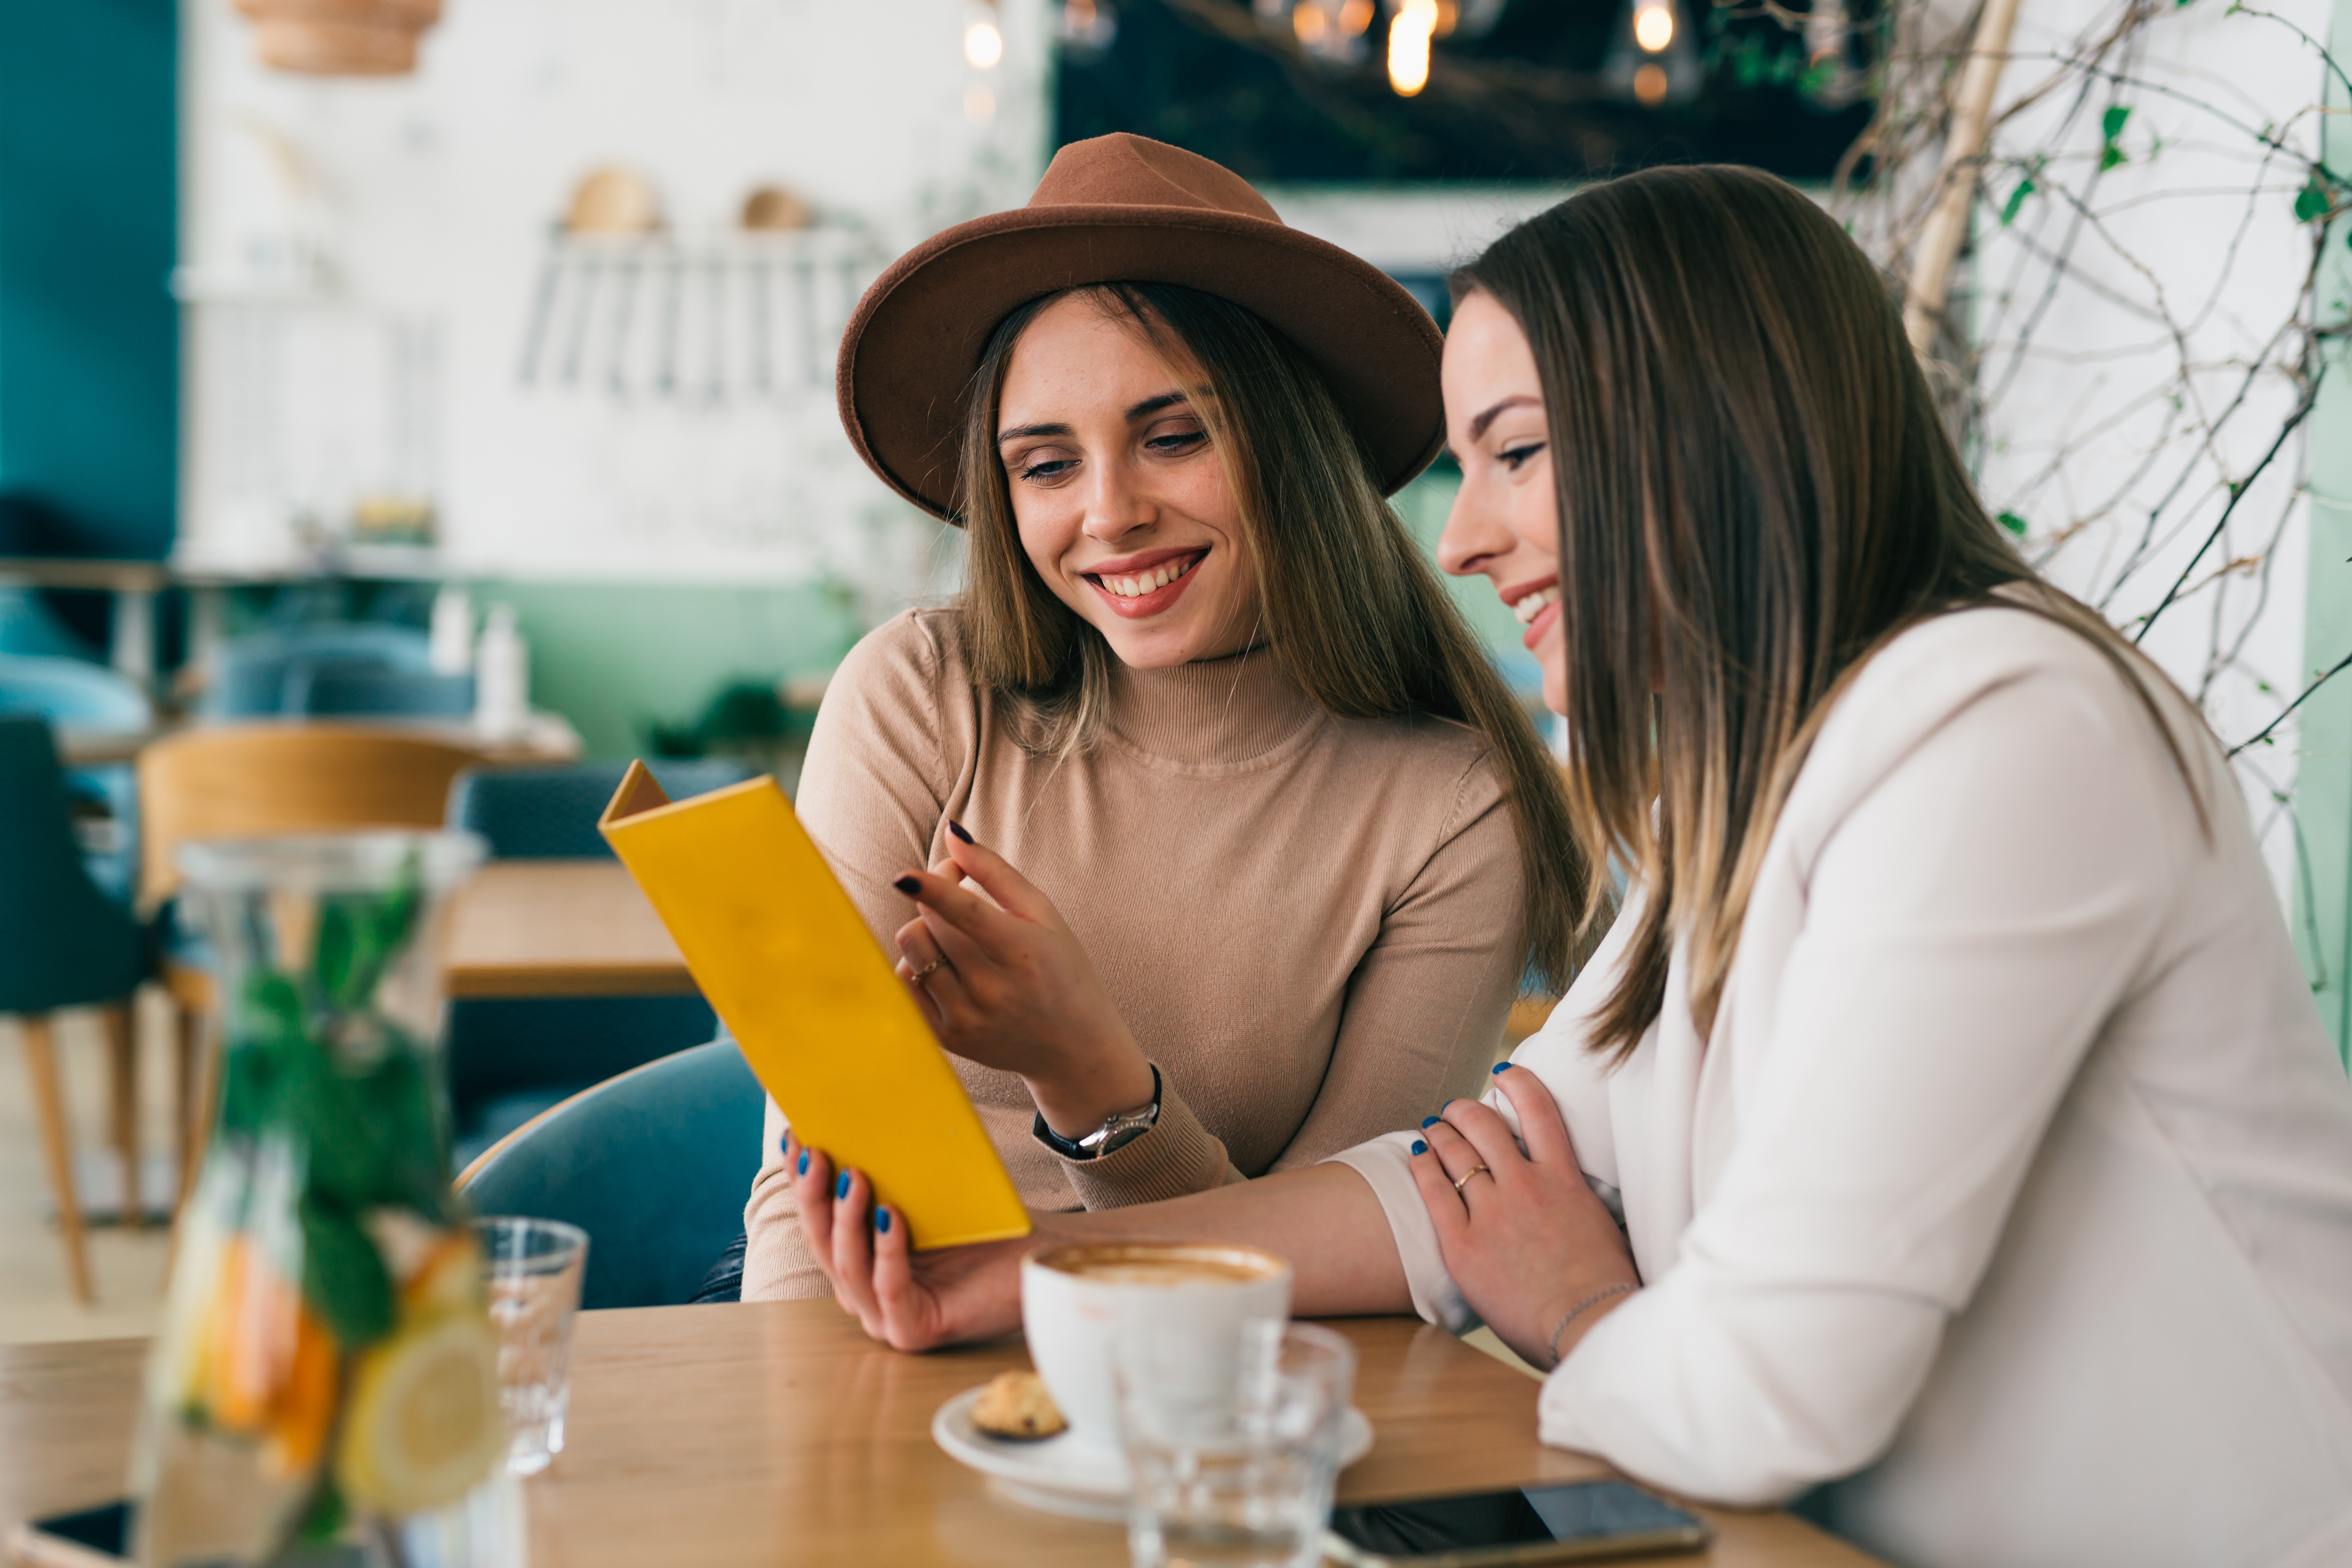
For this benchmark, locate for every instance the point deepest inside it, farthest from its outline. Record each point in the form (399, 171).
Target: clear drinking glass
(1234, 1448)
(533, 1268)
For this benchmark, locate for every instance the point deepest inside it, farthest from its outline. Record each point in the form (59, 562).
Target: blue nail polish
(841, 1185)
(1502, 1068)
(804, 1170)
(882, 1221)
(1419, 1147)
(1428, 1121)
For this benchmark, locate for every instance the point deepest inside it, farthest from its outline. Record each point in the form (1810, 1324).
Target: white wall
(2185, 263)
(364, 257)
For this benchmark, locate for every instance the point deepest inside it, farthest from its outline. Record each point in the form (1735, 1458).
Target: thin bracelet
(1592, 1301)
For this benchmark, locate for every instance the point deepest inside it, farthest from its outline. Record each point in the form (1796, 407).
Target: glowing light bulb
(1650, 85)
(1356, 15)
(1307, 21)
(1654, 27)
(983, 46)
(1409, 36)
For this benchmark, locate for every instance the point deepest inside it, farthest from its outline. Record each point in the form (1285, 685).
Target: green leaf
(360, 935)
(2014, 523)
(2111, 125)
(2016, 200)
(344, 1276)
(323, 1520)
(265, 1041)
(2313, 201)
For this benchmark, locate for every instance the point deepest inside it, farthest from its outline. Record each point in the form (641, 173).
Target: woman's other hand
(1523, 1235)
(1005, 984)
(910, 1301)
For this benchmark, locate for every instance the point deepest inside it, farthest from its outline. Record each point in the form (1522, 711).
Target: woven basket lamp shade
(339, 38)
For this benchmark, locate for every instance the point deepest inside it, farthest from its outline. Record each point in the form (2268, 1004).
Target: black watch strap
(1076, 1149)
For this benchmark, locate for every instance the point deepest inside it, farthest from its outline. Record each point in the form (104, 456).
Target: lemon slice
(423, 1423)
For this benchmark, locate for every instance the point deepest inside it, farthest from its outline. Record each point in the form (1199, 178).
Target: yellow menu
(783, 957)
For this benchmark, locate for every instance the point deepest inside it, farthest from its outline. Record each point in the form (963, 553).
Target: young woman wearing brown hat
(1284, 845)
(1975, 1151)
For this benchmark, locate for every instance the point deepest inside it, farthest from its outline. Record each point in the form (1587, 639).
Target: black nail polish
(909, 886)
(958, 829)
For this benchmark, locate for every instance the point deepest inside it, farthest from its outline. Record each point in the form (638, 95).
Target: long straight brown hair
(1350, 608)
(1755, 495)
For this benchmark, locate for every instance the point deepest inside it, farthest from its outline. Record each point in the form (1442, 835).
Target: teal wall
(615, 657)
(88, 220)
(2324, 766)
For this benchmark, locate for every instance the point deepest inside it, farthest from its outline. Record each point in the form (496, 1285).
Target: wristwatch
(1119, 1129)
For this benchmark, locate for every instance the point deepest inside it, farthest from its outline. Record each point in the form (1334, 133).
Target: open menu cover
(783, 957)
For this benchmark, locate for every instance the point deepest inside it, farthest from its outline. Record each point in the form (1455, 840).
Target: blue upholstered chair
(510, 1058)
(341, 689)
(550, 814)
(654, 1165)
(28, 626)
(250, 674)
(64, 943)
(74, 693)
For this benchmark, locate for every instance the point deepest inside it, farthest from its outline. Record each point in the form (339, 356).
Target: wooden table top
(775, 1433)
(545, 739)
(558, 928)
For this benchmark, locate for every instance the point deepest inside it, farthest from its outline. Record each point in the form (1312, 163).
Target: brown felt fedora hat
(1121, 209)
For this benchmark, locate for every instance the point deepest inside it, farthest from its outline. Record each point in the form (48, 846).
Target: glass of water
(1232, 1448)
(533, 1268)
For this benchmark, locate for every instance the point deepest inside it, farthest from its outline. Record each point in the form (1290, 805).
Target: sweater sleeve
(1971, 923)
(1423, 1021)
(871, 795)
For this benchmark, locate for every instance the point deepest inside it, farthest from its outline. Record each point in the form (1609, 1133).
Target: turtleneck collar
(1211, 711)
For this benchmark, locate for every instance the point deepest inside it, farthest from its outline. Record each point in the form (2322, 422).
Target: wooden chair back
(235, 779)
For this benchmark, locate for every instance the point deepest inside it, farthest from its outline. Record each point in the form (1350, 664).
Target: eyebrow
(1517, 400)
(1144, 409)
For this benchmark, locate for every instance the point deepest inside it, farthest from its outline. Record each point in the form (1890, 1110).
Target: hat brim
(909, 352)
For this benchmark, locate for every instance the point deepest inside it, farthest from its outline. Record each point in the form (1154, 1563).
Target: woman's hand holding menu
(910, 1301)
(1005, 983)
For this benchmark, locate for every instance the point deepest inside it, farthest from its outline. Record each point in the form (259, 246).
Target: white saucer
(1065, 1475)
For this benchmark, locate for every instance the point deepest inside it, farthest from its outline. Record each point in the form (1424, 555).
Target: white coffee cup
(1075, 1303)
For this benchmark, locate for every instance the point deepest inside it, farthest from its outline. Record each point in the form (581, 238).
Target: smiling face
(1505, 518)
(1123, 506)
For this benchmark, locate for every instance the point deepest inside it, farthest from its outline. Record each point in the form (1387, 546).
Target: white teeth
(1528, 608)
(1148, 582)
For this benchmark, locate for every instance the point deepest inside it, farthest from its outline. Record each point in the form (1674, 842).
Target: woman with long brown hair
(1945, 1123)
(1284, 844)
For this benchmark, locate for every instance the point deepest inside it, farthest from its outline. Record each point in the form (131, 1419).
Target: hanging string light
(1410, 33)
(1652, 61)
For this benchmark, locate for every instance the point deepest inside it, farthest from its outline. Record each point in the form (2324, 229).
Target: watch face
(1122, 1137)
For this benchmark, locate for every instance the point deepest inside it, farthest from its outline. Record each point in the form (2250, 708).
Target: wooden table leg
(56, 1148)
(123, 1087)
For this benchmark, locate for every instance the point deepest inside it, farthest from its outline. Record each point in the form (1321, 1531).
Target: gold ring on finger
(924, 973)
(1473, 1171)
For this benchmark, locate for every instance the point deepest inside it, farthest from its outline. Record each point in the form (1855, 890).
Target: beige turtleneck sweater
(1313, 926)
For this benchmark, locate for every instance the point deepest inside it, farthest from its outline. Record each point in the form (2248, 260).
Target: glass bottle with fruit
(327, 1364)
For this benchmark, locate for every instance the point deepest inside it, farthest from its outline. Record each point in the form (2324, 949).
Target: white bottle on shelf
(451, 646)
(501, 676)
